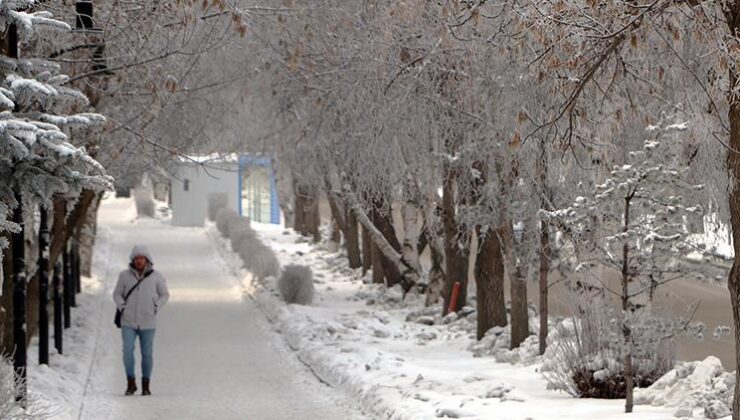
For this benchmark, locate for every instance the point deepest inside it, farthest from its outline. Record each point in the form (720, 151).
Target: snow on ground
(215, 355)
(355, 337)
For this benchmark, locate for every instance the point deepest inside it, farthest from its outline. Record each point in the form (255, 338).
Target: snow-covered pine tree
(638, 222)
(37, 158)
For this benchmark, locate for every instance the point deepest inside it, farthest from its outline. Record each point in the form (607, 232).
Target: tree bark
(626, 308)
(86, 236)
(299, 218)
(544, 286)
(313, 217)
(518, 286)
(336, 231)
(544, 254)
(489, 280)
(384, 225)
(732, 17)
(339, 222)
(409, 248)
(352, 241)
(367, 251)
(377, 264)
(456, 246)
(519, 309)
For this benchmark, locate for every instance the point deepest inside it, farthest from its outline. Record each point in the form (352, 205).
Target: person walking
(140, 294)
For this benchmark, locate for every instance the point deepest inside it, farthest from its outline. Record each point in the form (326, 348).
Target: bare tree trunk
(456, 246)
(377, 264)
(436, 273)
(518, 287)
(313, 217)
(519, 309)
(336, 231)
(384, 225)
(299, 215)
(86, 236)
(544, 286)
(732, 16)
(393, 257)
(626, 309)
(367, 251)
(409, 248)
(352, 241)
(489, 280)
(544, 255)
(339, 222)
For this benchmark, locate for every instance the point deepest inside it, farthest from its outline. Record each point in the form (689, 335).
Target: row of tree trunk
(70, 223)
(449, 260)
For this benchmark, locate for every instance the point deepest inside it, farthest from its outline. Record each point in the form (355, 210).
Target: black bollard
(67, 287)
(58, 307)
(43, 271)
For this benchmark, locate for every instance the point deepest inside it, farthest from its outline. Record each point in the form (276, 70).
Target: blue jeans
(146, 342)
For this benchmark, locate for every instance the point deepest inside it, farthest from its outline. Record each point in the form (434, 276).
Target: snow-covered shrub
(144, 202)
(12, 409)
(587, 359)
(240, 232)
(224, 217)
(264, 263)
(216, 201)
(296, 284)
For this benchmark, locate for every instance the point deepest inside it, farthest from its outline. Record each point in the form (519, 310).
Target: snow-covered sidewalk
(360, 338)
(215, 355)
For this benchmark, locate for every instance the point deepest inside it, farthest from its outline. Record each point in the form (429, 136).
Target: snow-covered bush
(144, 202)
(257, 257)
(587, 358)
(264, 263)
(241, 234)
(224, 217)
(296, 284)
(216, 201)
(12, 409)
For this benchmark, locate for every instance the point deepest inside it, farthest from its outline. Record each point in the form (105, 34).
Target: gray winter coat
(147, 300)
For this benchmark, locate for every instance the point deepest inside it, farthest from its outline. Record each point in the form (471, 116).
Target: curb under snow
(323, 363)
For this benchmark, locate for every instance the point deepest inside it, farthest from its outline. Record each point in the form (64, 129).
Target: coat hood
(143, 251)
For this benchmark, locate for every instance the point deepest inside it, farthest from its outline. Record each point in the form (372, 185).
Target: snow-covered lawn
(364, 340)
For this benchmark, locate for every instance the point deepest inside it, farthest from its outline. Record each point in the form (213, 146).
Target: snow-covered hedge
(263, 262)
(257, 257)
(224, 217)
(240, 233)
(216, 202)
(296, 284)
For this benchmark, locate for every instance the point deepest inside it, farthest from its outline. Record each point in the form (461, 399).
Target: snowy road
(215, 355)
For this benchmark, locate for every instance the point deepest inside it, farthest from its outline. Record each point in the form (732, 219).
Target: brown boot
(131, 385)
(145, 386)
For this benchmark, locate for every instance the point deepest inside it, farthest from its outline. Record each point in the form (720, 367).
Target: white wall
(190, 208)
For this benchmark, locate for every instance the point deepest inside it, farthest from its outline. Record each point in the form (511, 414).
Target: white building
(245, 183)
